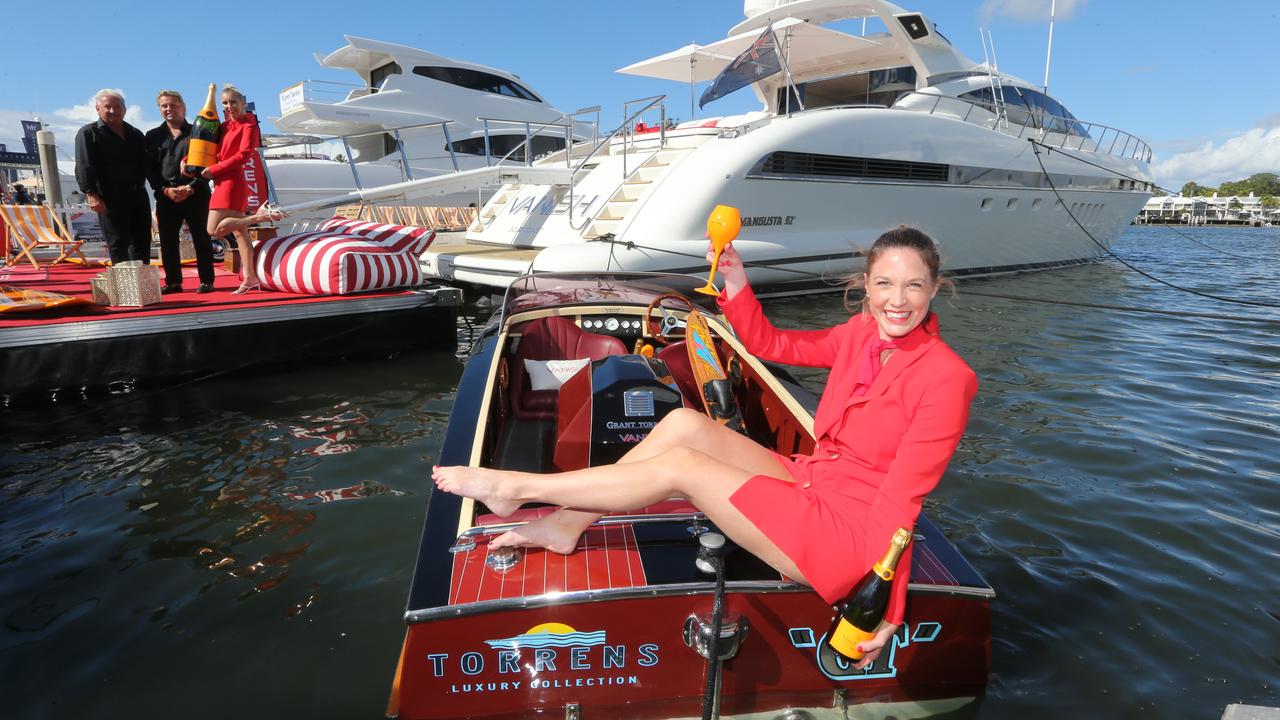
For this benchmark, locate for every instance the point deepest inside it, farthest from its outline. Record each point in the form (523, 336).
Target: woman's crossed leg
(686, 455)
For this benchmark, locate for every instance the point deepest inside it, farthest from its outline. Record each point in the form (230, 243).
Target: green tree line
(1263, 185)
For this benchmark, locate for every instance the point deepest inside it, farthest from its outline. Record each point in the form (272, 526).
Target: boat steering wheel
(661, 328)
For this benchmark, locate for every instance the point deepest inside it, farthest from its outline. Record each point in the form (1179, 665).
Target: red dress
(237, 145)
(877, 455)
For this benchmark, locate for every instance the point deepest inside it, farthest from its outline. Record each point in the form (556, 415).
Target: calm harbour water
(242, 547)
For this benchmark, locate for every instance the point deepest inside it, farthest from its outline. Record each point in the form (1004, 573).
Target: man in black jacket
(178, 197)
(111, 161)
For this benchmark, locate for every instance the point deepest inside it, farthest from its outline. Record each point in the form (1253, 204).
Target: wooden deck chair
(36, 226)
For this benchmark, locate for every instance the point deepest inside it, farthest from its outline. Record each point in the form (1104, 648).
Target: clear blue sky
(1197, 80)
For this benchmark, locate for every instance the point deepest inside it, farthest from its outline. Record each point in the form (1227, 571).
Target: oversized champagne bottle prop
(202, 150)
(861, 614)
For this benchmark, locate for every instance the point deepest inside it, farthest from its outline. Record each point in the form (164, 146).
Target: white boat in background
(412, 115)
(896, 127)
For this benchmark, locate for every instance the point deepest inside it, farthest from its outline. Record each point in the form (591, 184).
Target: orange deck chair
(36, 226)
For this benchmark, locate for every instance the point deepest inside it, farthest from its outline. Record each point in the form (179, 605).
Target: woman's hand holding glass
(730, 267)
(722, 227)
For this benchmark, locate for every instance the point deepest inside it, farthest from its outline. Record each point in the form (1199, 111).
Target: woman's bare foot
(558, 532)
(477, 483)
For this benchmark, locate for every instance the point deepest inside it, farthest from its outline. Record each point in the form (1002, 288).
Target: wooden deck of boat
(611, 557)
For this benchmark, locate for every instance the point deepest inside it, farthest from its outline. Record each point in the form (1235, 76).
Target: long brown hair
(902, 236)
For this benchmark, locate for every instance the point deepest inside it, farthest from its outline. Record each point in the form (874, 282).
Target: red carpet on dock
(72, 279)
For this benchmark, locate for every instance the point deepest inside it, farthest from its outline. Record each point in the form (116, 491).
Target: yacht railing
(625, 128)
(1075, 134)
(530, 133)
(327, 92)
(629, 131)
(406, 170)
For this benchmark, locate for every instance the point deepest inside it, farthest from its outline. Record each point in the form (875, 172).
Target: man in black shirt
(178, 197)
(111, 160)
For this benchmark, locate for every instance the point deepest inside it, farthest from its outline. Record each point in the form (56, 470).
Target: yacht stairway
(603, 194)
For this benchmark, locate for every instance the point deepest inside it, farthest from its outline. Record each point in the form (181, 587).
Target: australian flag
(758, 62)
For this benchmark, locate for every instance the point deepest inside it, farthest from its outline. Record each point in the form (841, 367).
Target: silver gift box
(99, 285)
(132, 284)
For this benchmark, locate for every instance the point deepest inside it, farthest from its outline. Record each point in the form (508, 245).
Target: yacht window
(1017, 109)
(875, 87)
(381, 73)
(981, 96)
(476, 80)
(1031, 107)
(500, 145)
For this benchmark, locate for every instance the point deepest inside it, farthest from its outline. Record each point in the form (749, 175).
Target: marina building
(1225, 210)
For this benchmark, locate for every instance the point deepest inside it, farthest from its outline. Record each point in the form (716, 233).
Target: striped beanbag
(343, 256)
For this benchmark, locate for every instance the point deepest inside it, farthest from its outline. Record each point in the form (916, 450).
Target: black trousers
(169, 217)
(126, 227)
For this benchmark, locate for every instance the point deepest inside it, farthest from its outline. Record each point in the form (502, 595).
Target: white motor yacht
(410, 109)
(864, 133)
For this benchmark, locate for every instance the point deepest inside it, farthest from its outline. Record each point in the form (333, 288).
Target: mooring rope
(1167, 191)
(1035, 146)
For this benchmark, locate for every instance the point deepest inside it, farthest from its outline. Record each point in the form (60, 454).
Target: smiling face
(110, 110)
(899, 286)
(232, 106)
(172, 109)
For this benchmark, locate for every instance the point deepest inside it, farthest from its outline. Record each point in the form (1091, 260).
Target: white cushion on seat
(551, 374)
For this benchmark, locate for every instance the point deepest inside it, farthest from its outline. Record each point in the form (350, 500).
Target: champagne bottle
(861, 613)
(202, 150)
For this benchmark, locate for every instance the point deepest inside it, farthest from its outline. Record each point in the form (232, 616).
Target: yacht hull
(989, 203)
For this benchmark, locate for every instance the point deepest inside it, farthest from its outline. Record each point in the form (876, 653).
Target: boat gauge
(611, 324)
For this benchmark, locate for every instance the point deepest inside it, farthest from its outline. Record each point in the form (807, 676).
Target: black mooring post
(710, 559)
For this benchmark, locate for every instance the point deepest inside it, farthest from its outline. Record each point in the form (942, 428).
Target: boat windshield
(542, 290)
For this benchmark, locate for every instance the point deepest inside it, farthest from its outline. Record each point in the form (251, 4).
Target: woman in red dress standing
(238, 143)
(890, 417)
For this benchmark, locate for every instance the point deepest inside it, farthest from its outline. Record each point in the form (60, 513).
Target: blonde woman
(237, 144)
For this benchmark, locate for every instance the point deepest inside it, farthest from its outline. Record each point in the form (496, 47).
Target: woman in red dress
(890, 417)
(238, 143)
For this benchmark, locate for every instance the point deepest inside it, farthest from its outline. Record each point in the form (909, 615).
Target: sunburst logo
(552, 634)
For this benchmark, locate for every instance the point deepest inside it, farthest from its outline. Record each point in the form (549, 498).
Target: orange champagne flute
(722, 227)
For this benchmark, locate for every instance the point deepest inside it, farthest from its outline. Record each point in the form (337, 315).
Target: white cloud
(1253, 151)
(1036, 11)
(64, 122)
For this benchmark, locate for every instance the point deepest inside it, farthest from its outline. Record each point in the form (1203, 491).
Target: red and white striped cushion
(397, 236)
(333, 262)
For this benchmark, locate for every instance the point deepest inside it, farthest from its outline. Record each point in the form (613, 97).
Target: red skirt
(230, 194)
(822, 530)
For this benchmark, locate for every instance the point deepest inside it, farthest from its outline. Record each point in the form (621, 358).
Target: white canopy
(811, 45)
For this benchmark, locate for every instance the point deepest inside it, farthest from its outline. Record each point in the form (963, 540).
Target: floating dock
(190, 334)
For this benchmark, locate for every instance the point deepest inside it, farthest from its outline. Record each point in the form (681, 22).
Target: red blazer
(239, 140)
(879, 453)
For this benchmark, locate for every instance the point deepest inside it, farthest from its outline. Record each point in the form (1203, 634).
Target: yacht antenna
(1048, 53)
(993, 72)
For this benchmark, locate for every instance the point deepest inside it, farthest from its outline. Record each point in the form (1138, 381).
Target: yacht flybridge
(412, 115)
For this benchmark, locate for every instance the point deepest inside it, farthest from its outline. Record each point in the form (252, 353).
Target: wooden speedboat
(615, 629)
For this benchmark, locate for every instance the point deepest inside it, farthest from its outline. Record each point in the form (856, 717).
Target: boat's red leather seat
(676, 356)
(553, 338)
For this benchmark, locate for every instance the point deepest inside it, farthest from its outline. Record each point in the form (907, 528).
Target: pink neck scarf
(869, 365)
